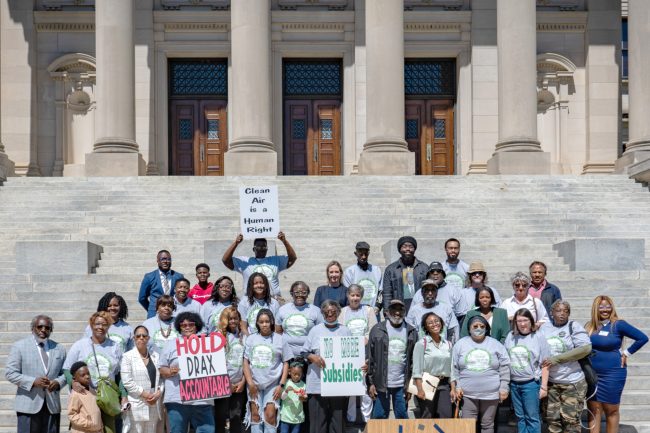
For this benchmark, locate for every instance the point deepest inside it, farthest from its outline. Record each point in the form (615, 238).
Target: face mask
(332, 323)
(478, 332)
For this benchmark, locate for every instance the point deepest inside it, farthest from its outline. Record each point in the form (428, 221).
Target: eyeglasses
(165, 259)
(46, 327)
(520, 285)
(141, 336)
(604, 307)
(225, 286)
(299, 293)
(188, 325)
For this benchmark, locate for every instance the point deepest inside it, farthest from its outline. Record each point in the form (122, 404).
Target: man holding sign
(270, 266)
(334, 374)
(194, 369)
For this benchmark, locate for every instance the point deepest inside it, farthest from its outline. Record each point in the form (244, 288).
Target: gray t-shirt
(269, 266)
(109, 356)
(451, 330)
(560, 341)
(446, 295)
(160, 332)
(456, 274)
(356, 320)
(249, 311)
(211, 313)
(296, 323)
(169, 358)
(235, 357)
(120, 332)
(264, 354)
(312, 345)
(480, 368)
(371, 280)
(189, 305)
(468, 299)
(527, 352)
(397, 342)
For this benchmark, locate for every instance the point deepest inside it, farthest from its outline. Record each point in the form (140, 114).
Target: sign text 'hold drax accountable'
(202, 363)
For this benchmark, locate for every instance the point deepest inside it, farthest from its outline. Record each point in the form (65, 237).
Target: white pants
(366, 408)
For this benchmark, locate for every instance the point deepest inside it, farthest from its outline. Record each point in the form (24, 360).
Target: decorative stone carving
(563, 5)
(57, 5)
(438, 4)
(561, 27)
(65, 27)
(197, 27)
(432, 27)
(75, 79)
(330, 4)
(212, 4)
(313, 27)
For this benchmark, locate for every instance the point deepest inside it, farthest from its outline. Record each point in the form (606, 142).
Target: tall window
(624, 49)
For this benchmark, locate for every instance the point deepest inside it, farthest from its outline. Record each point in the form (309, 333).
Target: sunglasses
(520, 285)
(46, 327)
(188, 325)
(141, 336)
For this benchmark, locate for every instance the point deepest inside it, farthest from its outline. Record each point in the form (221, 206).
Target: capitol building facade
(324, 87)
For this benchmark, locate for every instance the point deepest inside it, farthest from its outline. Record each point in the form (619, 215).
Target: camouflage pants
(564, 407)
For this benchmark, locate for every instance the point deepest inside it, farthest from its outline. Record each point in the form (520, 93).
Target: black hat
(404, 239)
(361, 245)
(436, 266)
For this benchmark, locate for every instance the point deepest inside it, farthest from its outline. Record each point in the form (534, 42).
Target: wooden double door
(430, 135)
(199, 137)
(312, 137)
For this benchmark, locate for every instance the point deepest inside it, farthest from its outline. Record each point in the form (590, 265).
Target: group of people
(443, 326)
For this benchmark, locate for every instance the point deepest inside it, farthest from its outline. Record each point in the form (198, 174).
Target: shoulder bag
(108, 393)
(591, 377)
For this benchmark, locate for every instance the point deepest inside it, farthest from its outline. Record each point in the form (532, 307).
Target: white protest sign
(202, 363)
(259, 211)
(342, 375)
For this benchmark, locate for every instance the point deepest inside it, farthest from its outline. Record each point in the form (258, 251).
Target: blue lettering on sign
(437, 427)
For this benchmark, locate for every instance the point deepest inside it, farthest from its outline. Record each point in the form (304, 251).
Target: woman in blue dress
(609, 359)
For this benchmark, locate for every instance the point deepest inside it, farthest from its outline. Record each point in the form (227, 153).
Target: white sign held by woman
(342, 375)
(259, 211)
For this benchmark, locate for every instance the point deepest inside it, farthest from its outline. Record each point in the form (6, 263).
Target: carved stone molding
(444, 4)
(58, 5)
(295, 4)
(561, 27)
(432, 27)
(179, 4)
(313, 27)
(197, 27)
(563, 5)
(65, 27)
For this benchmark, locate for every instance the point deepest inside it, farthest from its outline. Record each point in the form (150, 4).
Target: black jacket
(550, 294)
(377, 354)
(392, 284)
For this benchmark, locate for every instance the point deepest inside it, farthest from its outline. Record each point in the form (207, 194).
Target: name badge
(603, 333)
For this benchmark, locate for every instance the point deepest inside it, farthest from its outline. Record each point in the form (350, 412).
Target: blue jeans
(285, 427)
(381, 410)
(181, 415)
(525, 399)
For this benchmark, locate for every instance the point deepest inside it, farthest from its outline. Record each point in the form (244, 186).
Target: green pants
(564, 406)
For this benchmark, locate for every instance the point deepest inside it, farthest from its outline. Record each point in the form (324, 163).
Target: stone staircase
(505, 221)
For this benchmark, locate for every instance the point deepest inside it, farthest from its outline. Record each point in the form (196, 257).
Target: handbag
(429, 384)
(108, 393)
(591, 377)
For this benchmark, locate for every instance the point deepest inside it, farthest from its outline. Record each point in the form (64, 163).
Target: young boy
(83, 412)
(293, 397)
(202, 291)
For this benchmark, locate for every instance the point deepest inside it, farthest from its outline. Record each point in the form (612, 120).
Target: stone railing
(212, 4)
(563, 5)
(330, 4)
(444, 4)
(57, 5)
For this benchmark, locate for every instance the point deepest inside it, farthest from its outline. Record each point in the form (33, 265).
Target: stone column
(638, 146)
(385, 151)
(251, 151)
(7, 167)
(517, 151)
(115, 152)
